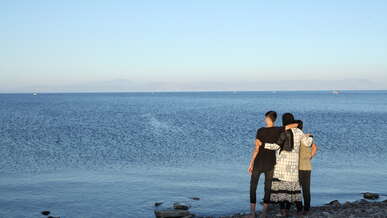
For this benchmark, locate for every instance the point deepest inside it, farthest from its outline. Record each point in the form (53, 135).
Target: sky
(67, 45)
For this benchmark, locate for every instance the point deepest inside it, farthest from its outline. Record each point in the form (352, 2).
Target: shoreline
(334, 209)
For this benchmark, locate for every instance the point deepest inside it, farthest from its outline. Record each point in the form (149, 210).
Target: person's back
(263, 160)
(305, 157)
(305, 169)
(266, 159)
(287, 165)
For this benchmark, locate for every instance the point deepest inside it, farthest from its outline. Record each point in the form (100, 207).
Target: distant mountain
(123, 85)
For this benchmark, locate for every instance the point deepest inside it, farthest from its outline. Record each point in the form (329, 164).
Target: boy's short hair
(272, 115)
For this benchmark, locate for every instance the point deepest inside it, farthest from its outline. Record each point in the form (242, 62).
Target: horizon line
(190, 91)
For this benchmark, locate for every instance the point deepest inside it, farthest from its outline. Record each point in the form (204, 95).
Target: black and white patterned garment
(286, 167)
(285, 191)
(285, 186)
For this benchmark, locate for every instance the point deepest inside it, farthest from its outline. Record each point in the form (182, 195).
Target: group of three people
(283, 154)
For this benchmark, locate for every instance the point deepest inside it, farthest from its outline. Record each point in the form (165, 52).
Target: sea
(99, 155)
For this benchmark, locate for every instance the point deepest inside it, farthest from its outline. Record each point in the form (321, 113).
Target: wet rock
(335, 203)
(45, 212)
(195, 198)
(369, 195)
(158, 204)
(347, 204)
(171, 213)
(179, 206)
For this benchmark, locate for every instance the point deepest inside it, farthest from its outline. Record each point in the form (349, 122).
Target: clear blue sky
(55, 43)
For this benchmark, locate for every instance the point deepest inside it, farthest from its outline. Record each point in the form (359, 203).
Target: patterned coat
(286, 168)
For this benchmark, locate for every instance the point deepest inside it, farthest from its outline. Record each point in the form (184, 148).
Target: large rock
(369, 195)
(179, 206)
(171, 213)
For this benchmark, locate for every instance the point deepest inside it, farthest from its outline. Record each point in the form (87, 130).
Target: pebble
(158, 204)
(326, 214)
(347, 204)
(45, 212)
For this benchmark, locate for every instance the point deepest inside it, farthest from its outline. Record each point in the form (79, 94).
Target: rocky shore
(334, 209)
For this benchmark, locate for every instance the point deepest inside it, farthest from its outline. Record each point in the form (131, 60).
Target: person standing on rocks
(263, 160)
(285, 188)
(305, 169)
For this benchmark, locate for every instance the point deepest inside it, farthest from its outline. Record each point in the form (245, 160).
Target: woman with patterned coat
(285, 188)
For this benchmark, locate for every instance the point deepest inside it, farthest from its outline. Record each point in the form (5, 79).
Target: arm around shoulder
(306, 140)
(276, 146)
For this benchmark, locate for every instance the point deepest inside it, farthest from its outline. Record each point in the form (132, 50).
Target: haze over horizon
(123, 85)
(50, 46)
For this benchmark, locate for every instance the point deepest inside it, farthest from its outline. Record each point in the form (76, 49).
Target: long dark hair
(287, 118)
(300, 124)
(287, 136)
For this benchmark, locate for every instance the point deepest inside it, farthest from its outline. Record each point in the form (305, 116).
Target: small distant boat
(335, 92)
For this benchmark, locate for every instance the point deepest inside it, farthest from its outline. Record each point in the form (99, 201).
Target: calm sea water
(116, 154)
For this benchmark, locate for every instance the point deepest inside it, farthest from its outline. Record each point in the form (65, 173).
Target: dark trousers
(304, 177)
(254, 183)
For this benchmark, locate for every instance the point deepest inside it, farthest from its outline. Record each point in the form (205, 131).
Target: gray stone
(335, 203)
(369, 195)
(179, 206)
(347, 204)
(158, 204)
(171, 213)
(45, 212)
(195, 198)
